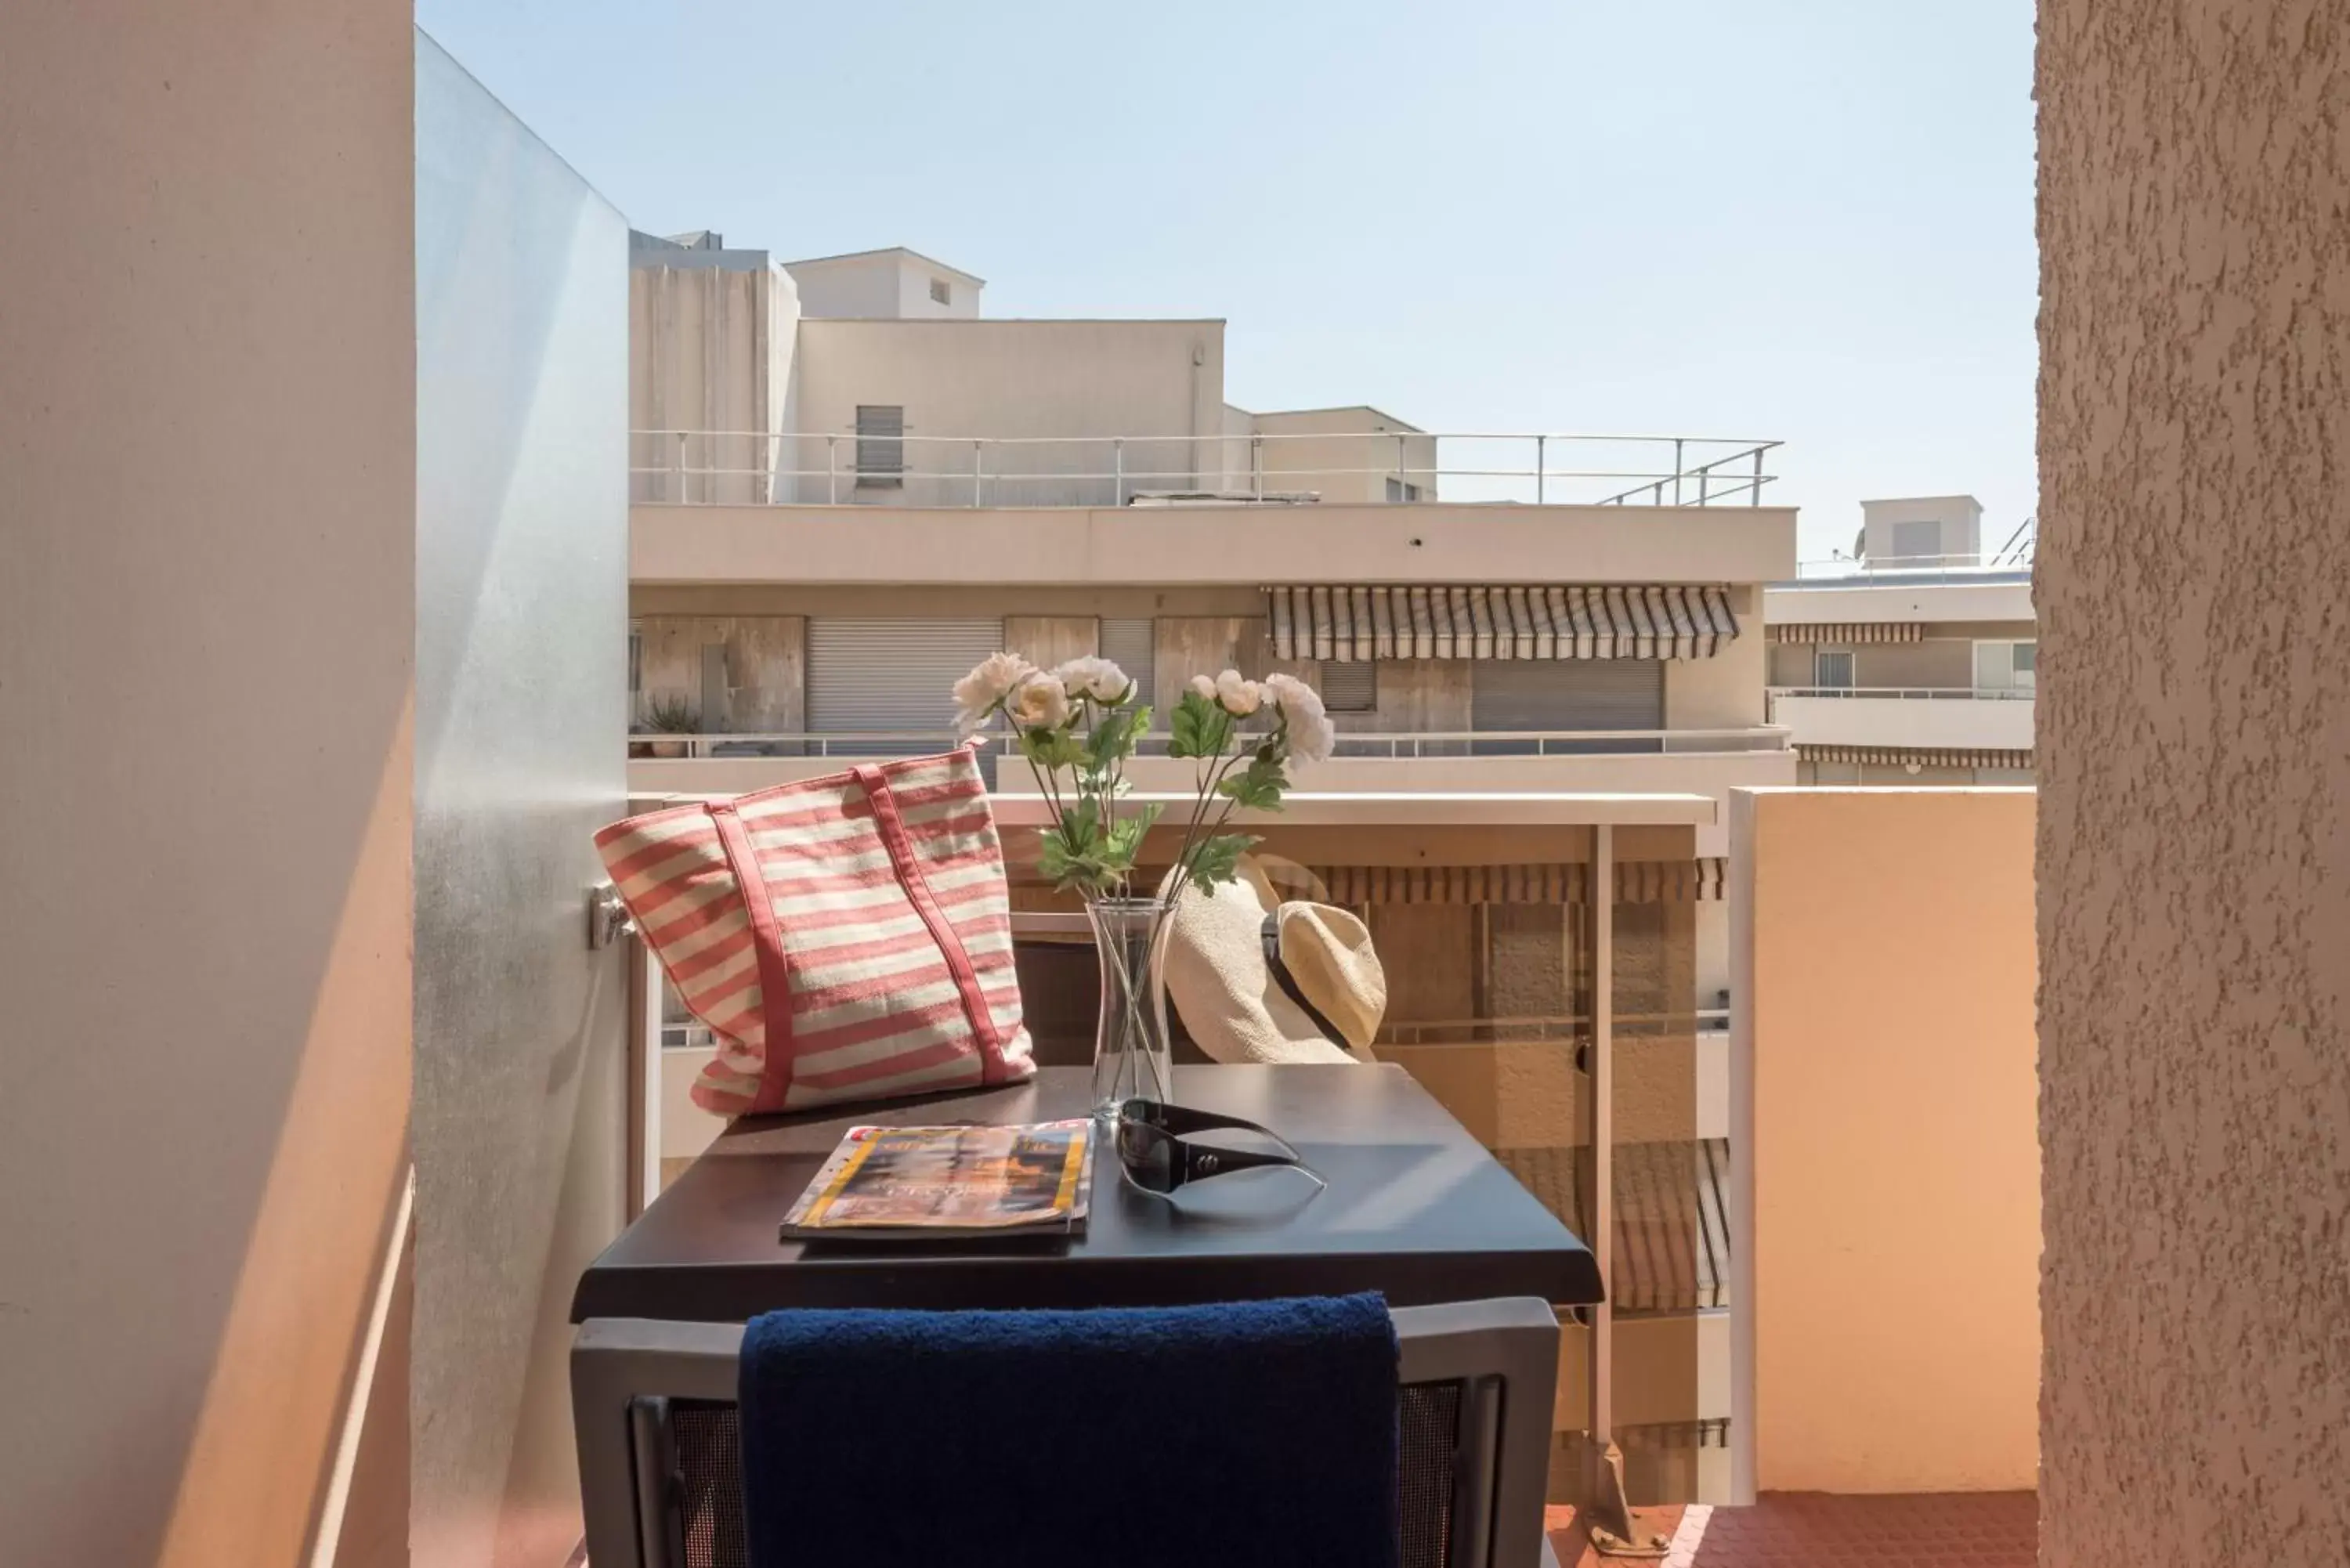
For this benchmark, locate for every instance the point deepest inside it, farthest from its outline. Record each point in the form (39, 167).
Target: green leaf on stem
(1201, 728)
(1217, 859)
(1260, 786)
(1114, 735)
(1051, 748)
(1126, 837)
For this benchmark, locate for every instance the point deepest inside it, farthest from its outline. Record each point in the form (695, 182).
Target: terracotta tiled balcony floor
(1816, 1529)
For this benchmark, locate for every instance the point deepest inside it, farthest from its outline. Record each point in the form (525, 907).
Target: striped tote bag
(845, 938)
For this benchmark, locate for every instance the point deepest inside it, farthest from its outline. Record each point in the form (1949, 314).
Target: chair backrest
(652, 1405)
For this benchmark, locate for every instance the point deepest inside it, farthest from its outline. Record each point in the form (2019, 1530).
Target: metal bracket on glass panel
(608, 918)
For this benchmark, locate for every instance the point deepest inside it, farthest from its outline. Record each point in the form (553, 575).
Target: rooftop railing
(1287, 467)
(1843, 570)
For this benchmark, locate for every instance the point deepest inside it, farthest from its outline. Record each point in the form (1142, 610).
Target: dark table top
(1416, 1207)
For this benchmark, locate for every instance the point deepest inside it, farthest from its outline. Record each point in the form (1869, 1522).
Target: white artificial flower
(1205, 685)
(1096, 678)
(1039, 699)
(990, 682)
(1241, 698)
(1312, 736)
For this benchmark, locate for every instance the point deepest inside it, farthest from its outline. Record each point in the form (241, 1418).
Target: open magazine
(918, 1183)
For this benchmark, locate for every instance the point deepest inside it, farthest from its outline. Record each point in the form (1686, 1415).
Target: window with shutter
(881, 443)
(1917, 541)
(1352, 686)
(1128, 642)
(883, 676)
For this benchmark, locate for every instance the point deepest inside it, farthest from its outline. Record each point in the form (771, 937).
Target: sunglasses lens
(1148, 1155)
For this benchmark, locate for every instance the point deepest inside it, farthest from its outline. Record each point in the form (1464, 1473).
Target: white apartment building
(850, 484)
(1914, 660)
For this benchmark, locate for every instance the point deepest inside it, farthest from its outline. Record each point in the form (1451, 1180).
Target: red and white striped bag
(873, 959)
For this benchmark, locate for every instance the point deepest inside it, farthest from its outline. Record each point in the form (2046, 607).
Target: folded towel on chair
(1244, 1435)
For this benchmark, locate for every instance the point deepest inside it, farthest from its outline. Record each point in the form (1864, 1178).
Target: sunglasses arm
(1202, 1161)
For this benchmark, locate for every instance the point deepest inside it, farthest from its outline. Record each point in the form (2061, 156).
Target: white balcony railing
(1913, 693)
(835, 467)
(1761, 738)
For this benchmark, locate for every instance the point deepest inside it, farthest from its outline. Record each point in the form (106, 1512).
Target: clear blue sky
(1809, 220)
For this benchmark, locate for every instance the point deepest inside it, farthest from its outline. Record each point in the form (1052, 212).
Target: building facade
(1916, 659)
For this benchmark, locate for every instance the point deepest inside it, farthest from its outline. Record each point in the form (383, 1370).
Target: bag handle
(993, 1068)
(767, 940)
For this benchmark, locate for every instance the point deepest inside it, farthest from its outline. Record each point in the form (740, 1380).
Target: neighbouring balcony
(1908, 719)
(1688, 761)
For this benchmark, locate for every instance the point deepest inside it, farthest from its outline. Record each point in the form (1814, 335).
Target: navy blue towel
(1248, 1435)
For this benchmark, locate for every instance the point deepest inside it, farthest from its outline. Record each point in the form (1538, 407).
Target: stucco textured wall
(2194, 861)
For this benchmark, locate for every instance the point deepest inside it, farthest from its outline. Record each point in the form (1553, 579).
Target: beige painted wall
(710, 351)
(1159, 379)
(204, 1062)
(1959, 517)
(1931, 662)
(887, 544)
(1962, 723)
(1862, 597)
(1882, 1053)
(2195, 773)
(1339, 454)
(1724, 692)
(1792, 663)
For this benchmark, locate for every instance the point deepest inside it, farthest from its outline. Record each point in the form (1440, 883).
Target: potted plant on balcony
(668, 714)
(1076, 726)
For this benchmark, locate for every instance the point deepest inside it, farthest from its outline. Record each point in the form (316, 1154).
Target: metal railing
(1913, 693)
(840, 467)
(1968, 568)
(1357, 743)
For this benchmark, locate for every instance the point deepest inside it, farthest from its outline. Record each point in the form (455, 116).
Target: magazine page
(949, 1178)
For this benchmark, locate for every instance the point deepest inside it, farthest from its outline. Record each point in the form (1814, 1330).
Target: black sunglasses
(1152, 1152)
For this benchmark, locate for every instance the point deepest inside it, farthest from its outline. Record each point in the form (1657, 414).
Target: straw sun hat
(1259, 980)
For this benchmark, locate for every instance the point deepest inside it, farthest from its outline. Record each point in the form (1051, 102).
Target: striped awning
(1672, 1213)
(1845, 631)
(1907, 756)
(1636, 882)
(1348, 624)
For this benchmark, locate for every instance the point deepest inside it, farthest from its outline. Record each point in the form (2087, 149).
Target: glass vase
(1132, 1057)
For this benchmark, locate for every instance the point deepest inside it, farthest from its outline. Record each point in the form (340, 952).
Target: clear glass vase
(1132, 1057)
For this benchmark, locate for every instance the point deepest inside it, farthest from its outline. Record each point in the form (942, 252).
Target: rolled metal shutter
(1567, 694)
(890, 675)
(1130, 643)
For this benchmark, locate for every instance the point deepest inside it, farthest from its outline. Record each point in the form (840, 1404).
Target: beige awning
(1636, 882)
(1631, 622)
(1907, 756)
(1845, 631)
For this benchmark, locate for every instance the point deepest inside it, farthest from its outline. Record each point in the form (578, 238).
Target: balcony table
(1416, 1207)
